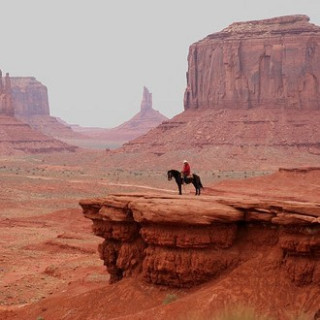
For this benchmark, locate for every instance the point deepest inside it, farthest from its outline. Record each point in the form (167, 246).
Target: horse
(195, 180)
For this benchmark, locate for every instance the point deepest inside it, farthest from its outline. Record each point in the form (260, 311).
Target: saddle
(186, 179)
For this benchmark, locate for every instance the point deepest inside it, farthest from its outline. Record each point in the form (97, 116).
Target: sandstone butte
(30, 97)
(184, 241)
(274, 63)
(17, 136)
(251, 88)
(31, 105)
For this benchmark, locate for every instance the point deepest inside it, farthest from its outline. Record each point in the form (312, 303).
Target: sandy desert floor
(48, 252)
(46, 244)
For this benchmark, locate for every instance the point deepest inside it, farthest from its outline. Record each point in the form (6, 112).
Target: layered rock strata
(182, 241)
(233, 128)
(19, 137)
(272, 63)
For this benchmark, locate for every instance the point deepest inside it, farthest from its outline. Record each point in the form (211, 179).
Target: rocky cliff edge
(183, 241)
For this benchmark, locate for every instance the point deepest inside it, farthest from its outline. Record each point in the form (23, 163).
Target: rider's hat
(185, 161)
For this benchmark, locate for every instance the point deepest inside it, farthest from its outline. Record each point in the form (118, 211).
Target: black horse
(195, 180)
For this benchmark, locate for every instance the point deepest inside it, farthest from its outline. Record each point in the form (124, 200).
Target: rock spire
(146, 103)
(6, 105)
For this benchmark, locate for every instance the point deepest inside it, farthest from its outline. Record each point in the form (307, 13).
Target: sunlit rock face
(273, 63)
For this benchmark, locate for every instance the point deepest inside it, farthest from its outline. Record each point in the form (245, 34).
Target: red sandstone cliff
(252, 248)
(272, 63)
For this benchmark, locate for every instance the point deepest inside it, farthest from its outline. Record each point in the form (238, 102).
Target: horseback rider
(186, 171)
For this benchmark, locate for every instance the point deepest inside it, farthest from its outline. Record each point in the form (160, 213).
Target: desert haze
(103, 234)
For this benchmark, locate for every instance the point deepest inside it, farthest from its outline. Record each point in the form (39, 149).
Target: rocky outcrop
(31, 106)
(146, 119)
(146, 103)
(271, 63)
(25, 98)
(6, 104)
(30, 97)
(182, 241)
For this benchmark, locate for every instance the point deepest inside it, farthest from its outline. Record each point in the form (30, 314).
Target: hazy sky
(95, 56)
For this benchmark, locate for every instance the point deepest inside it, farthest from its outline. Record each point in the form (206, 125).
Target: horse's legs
(195, 186)
(198, 186)
(179, 186)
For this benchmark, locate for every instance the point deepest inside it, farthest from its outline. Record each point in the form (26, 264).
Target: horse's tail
(200, 184)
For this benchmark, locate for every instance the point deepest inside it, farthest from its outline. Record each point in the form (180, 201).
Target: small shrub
(169, 298)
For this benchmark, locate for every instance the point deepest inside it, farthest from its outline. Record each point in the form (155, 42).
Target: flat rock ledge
(182, 241)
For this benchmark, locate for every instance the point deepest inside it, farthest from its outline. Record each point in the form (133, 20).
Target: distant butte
(252, 98)
(17, 136)
(30, 97)
(31, 106)
(272, 63)
(146, 119)
(29, 103)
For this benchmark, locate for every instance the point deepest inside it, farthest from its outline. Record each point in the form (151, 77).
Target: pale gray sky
(95, 56)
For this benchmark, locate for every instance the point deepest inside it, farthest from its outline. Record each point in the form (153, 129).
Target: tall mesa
(272, 63)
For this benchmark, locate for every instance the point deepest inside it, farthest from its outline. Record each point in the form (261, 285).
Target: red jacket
(186, 169)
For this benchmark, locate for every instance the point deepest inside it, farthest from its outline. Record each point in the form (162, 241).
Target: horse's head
(169, 175)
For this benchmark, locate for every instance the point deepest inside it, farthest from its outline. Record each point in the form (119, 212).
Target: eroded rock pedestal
(182, 241)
